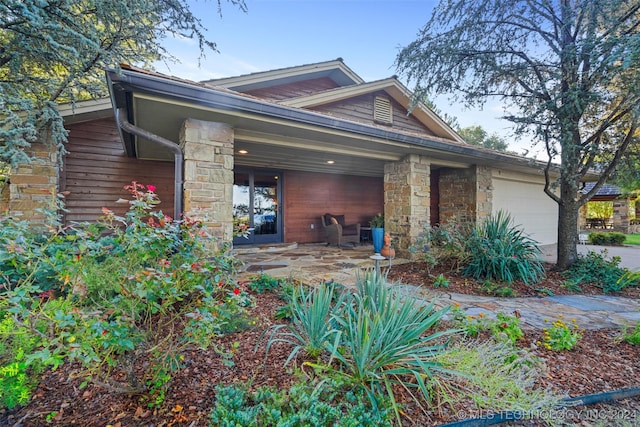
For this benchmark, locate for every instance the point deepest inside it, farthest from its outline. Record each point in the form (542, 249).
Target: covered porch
(295, 165)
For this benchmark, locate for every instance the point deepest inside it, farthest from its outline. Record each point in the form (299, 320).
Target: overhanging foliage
(568, 72)
(56, 51)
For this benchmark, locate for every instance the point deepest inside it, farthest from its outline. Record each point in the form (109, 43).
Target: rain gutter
(125, 125)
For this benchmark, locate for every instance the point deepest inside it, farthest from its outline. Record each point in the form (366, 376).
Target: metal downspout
(125, 125)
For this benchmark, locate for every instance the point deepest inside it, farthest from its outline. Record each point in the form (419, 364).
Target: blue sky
(366, 34)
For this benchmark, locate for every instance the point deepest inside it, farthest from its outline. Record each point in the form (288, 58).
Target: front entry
(256, 204)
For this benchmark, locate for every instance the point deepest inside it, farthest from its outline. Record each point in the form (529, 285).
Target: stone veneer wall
(208, 174)
(465, 194)
(484, 192)
(34, 185)
(406, 201)
(621, 217)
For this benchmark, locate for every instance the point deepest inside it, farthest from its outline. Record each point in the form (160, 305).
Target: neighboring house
(279, 149)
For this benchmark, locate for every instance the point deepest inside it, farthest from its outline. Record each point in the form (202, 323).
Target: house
(279, 149)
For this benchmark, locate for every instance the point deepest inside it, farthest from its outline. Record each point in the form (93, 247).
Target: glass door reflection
(256, 196)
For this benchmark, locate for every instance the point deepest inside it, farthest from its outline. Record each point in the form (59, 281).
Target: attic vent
(382, 111)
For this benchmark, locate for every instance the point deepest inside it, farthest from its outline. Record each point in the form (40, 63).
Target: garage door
(528, 206)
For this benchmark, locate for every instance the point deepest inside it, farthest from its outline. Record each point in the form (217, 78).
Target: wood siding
(360, 109)
(293, 90)
(309, 195)
(96, 169)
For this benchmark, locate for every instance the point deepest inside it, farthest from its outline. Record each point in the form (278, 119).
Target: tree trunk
(568, 212)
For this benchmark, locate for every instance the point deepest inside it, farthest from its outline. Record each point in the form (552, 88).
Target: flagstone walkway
(317, 263)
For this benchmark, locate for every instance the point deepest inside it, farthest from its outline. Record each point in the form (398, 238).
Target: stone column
(208, 174)
(621, 215)
(484, 192)
(466, 195)
(582, 217)
(406, 201)
(34, 185)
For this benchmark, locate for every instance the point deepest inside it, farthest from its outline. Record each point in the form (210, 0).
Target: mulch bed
(553, 284)
(599, 363)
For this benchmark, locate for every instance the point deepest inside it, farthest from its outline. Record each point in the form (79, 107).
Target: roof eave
(131, 81)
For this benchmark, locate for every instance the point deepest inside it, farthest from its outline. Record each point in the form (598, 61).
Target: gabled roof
(394, 89)
(336, 70)
(289, 133)
(605, 190)
(605, 193)
(350, 85)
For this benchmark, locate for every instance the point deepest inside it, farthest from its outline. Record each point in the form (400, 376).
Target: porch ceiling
(280, 144)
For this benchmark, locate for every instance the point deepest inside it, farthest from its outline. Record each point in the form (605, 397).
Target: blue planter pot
(377, 234)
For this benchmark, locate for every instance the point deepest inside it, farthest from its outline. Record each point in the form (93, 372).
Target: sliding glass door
(256, 204)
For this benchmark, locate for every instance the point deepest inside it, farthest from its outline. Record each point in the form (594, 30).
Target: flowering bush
(121, 290)
(561, 336)
(503, 326)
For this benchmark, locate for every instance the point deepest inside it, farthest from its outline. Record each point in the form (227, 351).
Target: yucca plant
(386, 341)
(311, 328)
(499, 250)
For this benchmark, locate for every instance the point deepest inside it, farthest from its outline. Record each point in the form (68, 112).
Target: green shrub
(444, 244)
(441, 282)
(264, 283)
(18, 374)
(505, 327)
(377, 339)
(310, 328)
(470, 325)
(617, 238)
(325, 403)
(632, 336)
(595, 268)
(117, 284)
(500, 251)
(597, 238)
(561, 336)
(497, 289)
(610, 238)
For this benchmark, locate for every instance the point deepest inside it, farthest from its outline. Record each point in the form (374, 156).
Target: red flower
(236, 291)
(220, 284)
(104, 332)
(151, 188)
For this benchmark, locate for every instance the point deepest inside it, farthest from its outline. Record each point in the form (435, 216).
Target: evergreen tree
(56, 51)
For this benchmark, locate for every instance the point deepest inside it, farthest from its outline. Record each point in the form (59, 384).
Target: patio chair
(337, 232)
